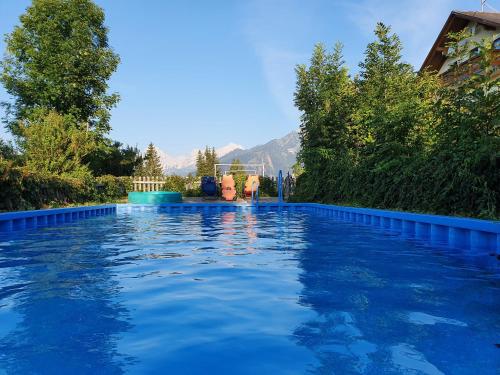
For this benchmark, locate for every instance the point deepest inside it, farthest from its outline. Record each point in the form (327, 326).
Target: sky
(196, 73)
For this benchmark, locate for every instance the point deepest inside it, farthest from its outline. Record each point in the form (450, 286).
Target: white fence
(148, 183)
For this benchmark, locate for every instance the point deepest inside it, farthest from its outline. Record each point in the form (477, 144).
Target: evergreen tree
(151, 166)
(200, 164)
(205, 162)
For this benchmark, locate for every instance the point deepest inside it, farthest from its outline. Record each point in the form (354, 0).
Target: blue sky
(197, 73)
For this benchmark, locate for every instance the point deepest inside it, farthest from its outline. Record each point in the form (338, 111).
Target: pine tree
(205, 162)
(152, 164)
(200, 164)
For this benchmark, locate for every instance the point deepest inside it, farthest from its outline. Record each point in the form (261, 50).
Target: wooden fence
(147, 183)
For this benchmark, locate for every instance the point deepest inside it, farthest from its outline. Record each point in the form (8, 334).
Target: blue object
(273, 289)
(280, 186)
(255, 196)
(154, 197)
(21, 220)
(209, 186)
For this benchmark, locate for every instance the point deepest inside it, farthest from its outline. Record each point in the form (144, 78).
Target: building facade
(480, 26)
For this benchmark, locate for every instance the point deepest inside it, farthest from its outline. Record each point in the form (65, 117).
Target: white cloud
(270, 29)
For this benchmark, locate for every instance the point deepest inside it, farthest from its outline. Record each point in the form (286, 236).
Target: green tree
(200, 164)
(238, 175)
(151, 166)
(7, 151)
(205, 162)
(55, 144)
(394, 138)
(113, 158)
(325, 95)
(58, 58)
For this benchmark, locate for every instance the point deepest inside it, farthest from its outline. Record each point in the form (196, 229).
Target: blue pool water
(240, 293)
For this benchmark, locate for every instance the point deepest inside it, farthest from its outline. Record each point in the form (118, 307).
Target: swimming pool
(241, 292)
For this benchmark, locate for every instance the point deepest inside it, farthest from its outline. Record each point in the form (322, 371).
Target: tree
(393, 108)
(200, 164)
(394, 138)
(235, 167)
(55, 144)
(205, 162)
(7, 151)
(325, 95)
(238, 175)
(151, 166)
(59, 59)
(113, 158)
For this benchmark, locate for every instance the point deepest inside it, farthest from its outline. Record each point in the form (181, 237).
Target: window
(496, 44)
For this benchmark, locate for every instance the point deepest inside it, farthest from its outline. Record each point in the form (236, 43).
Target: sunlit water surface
(240, 293)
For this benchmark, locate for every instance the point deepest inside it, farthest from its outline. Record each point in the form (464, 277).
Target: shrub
(22, 189)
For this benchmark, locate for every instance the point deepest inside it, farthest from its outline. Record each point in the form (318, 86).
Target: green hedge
(21, 189)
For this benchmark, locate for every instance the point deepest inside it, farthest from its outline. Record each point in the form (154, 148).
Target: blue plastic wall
(477, 237)
(19, 220)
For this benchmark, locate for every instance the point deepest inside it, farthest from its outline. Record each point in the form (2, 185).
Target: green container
(154, 197)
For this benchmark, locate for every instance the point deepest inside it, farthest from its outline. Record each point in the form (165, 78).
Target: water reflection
(387, 306)
(66, 316)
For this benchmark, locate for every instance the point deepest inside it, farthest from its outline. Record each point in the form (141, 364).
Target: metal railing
(255, 193)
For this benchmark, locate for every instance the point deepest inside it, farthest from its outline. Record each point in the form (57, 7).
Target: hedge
(21, 189)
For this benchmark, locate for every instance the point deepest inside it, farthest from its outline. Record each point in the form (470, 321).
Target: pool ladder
(255, 194)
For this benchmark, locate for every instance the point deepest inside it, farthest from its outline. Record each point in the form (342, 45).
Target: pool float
(154, 197)
(208, 186)
(228, 189)
(251, 180)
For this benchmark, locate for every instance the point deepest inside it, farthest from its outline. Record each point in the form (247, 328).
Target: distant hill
(184, 164)
(276, 154)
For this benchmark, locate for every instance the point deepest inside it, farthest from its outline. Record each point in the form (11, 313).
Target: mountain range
(276, 154)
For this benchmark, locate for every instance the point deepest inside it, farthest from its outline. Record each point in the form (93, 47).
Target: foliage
(55, 144)
(205, 162)
(113, 158)
(393, 138)
(58, 58)
(239, 177)
(21, 189)
(268, 186)
(7, 151)
(109, 187)
(151, 164)
(175, 183)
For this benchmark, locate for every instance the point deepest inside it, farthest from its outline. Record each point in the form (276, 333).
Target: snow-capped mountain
(184, 164)
(276, 154)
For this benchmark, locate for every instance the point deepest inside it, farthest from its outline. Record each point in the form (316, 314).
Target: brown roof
(456, 21)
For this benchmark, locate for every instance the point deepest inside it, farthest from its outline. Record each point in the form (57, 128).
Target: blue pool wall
(476, 237)
(20, 220)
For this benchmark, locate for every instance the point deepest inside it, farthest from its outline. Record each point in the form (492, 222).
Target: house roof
(456, 21)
